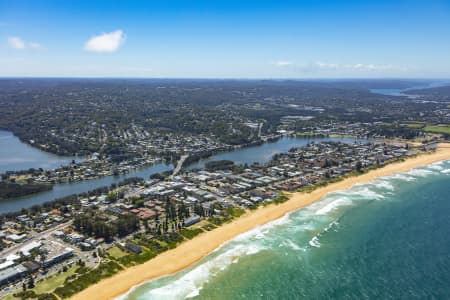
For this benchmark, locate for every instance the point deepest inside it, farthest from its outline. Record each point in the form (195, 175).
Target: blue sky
(225, 39)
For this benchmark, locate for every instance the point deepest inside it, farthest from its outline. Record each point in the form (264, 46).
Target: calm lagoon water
(15, 155)
(264, 153)
(387, 239)
(66, 189)
(23, 157)
(401, 91)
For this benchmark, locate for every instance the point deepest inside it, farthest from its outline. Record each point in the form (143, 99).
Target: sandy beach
(192, 251)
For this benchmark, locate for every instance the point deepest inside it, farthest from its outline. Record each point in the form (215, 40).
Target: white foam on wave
(290, 244)
(403, 177)
(333, 224)
(441, 166)
(364, 192)
(341, 198)
(260, 232)
(382, 184)
(436, 167)
(248, 243)
(314, 242)
(334, 205)
(306, 226)
(445, 167)
(125, 296)
(190, 284)
(420, 172)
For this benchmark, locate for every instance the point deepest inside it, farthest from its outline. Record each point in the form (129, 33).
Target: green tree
(359, 166)
(31, 282)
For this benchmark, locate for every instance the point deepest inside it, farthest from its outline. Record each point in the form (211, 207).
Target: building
(26, 250)
(133, 247)
(56, 253)
(75, 238)
(31, 266)
(12, 274)
(6, 264)
(16, 238)
(191, 220)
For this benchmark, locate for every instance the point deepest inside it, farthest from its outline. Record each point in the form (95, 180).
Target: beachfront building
(192, 220)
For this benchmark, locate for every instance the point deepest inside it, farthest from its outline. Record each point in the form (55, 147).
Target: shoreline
(190, 252)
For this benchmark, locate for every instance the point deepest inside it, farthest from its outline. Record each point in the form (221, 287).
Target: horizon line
(228, 78)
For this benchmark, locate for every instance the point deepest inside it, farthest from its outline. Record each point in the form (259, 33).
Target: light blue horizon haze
(227, 39)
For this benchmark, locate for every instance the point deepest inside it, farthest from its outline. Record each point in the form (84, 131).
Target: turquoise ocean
(387, 239)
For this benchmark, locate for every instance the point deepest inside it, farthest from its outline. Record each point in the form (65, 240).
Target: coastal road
(34, 238)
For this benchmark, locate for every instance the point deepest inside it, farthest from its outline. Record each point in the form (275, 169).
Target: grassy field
(89, 277)
(116, 252)
(9, 297)
(438, 129)
(414, 124)
(50, 284)
(208, 227)
(190, 233)
(235, 212)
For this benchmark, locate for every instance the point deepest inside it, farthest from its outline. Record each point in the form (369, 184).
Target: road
(35, 237)
(180, 164)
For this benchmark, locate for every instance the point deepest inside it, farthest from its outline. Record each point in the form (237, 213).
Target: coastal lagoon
(69, 188)
(261, 153)
(16, 155)
(400, 92)
(386, 239)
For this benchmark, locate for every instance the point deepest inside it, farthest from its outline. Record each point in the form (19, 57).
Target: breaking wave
(362, 192)
(190, 284)
(334, 205)
(290, 244)
(403, 177)
(421, 172)
(301, 232)
(314, 242)
(382, 184)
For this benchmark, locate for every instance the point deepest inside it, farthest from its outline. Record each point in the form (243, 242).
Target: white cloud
(106, 42)
(282, 63)
(19, 44)
(16, 43)
(359, 67)
(35, 46)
